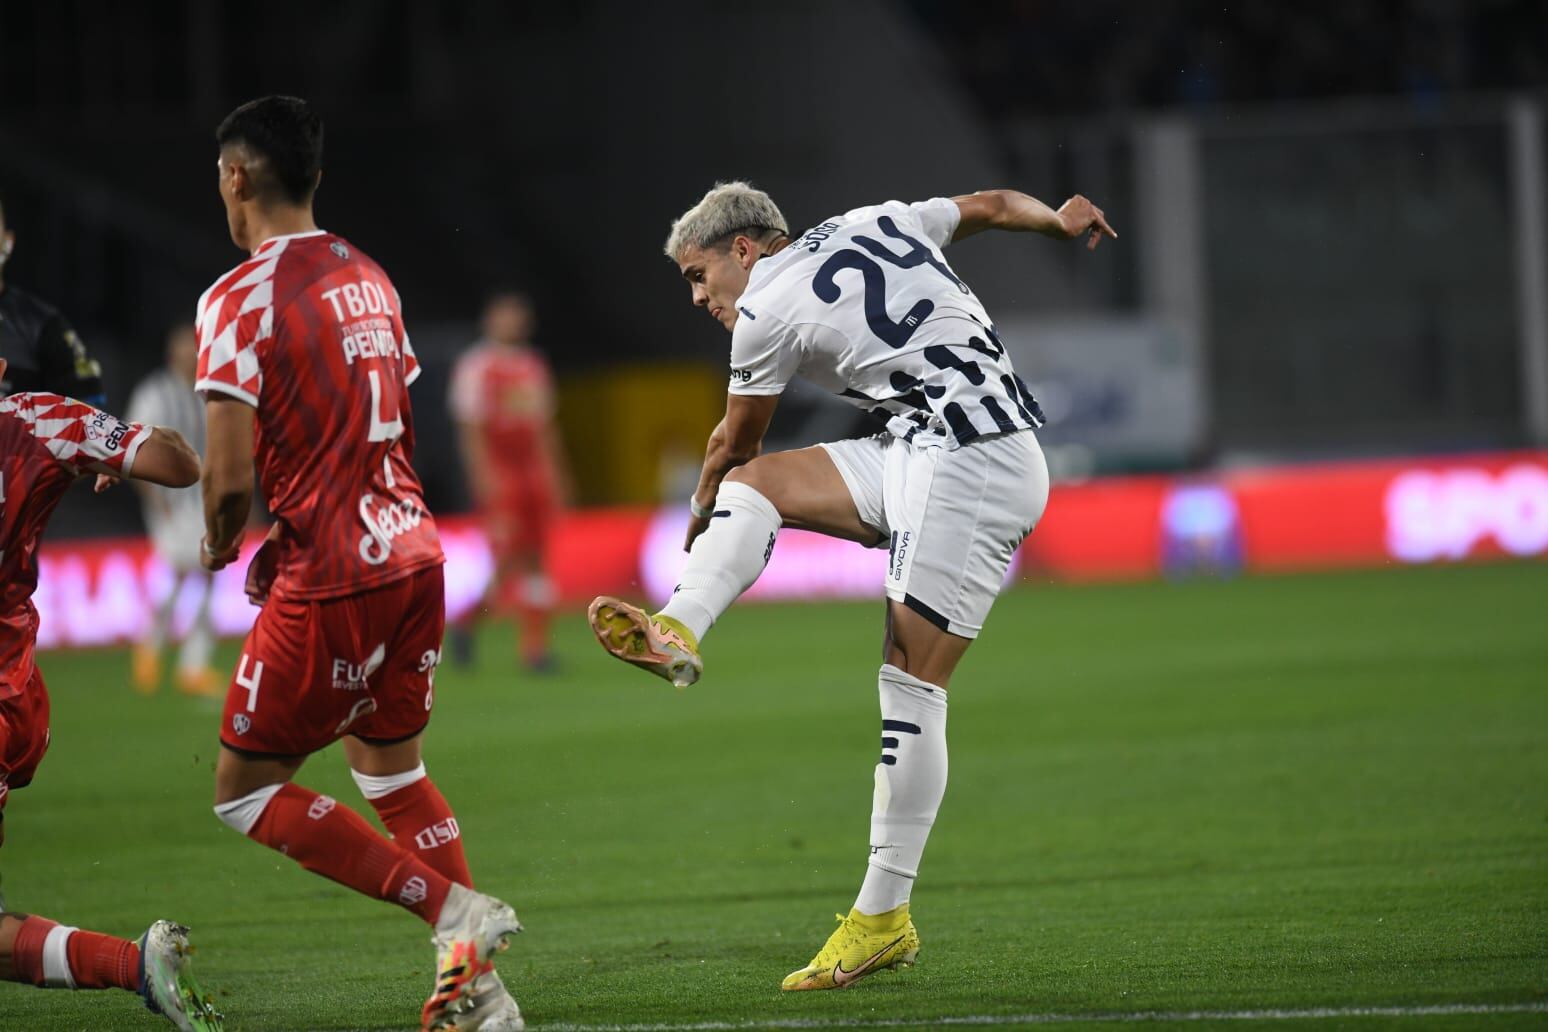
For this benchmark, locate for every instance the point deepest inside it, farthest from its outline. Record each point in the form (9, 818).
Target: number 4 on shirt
(389, 429)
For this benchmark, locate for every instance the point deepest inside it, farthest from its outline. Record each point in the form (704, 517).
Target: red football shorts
(312, 672)
(518, 521)
(23, 735)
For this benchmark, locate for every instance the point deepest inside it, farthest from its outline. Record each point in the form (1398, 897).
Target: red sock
(100, 961)
(95, 961)
(27, 950)
(337, 843)
(534, 631)
(419, 819)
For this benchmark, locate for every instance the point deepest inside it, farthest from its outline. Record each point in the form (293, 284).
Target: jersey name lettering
(353, 300)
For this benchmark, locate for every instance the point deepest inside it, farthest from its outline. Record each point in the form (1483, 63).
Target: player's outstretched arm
(1017, 212)
(167, 459)
(228, 477)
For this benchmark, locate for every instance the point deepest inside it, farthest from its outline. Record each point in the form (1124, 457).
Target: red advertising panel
(1337, 515)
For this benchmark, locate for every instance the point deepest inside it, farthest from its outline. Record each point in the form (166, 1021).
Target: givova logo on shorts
(897, 553)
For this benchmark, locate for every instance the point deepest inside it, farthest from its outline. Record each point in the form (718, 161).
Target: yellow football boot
(862, 945)
(145, 669)
(659, 644)
(202, 683)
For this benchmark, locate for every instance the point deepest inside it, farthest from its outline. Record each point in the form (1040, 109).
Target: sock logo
(321, 807)
(890, 741)
(438, 834)
(414, 891)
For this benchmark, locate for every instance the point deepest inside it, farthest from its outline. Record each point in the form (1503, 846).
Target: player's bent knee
(241, 814)
(753, 484)
(749, 473)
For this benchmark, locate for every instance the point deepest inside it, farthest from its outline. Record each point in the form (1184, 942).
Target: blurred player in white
(175, 519)
(502, 398)
(862, 304)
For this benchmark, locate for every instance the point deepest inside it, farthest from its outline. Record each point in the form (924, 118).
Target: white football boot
(166, 984)
(471, 930)
(491, 1007)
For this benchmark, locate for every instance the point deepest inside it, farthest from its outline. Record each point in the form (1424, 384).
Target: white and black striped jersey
(165, 399)
(864, 305)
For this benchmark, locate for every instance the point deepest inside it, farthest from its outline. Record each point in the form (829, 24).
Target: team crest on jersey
(241, 724)
(339, 249)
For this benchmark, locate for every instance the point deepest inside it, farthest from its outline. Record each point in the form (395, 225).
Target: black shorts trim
(391, 741)
(929, 614)
(258, 754)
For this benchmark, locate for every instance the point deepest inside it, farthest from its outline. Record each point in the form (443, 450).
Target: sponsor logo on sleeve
(112, 436)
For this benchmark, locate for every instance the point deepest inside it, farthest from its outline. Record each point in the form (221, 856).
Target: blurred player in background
(46, 442)
(502, 398)
(175, 520)
(42, 351)
(305, 366)
(862, 304)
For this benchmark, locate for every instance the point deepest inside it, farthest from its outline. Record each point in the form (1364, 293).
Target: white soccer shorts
(951, 519)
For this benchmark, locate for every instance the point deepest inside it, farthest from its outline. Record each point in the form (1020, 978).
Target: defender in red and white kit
(305, 366)
(502, 399)
(47, 441)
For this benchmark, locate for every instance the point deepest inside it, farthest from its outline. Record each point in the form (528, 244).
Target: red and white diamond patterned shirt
(309, 331)
(46, 441)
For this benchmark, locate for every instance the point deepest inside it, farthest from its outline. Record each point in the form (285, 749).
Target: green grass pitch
(1290, 793)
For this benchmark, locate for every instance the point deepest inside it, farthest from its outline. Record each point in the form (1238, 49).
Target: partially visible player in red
(502, 398)
(305, 367)
(46, 442)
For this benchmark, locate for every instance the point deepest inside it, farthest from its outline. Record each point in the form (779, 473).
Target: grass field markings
(1130, 1017)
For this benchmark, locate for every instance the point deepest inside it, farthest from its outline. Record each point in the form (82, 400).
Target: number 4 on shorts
(250, 683)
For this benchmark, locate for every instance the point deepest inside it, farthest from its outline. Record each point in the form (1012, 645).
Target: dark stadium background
(1354, 230)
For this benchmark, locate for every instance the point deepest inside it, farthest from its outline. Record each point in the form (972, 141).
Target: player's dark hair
(288, 135)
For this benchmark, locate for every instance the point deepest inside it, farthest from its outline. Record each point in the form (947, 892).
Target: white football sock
(910, 781)
(199, 645)
(726, 558)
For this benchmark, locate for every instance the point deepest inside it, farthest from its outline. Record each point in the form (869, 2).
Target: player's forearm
(166, 458)
(226, 507)
(475, 461)
(1009, 210)
(228, 471)
(558, 466)
(723, 454)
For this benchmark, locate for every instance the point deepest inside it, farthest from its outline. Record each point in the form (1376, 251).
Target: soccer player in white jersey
(862, 304)
(175, 519)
